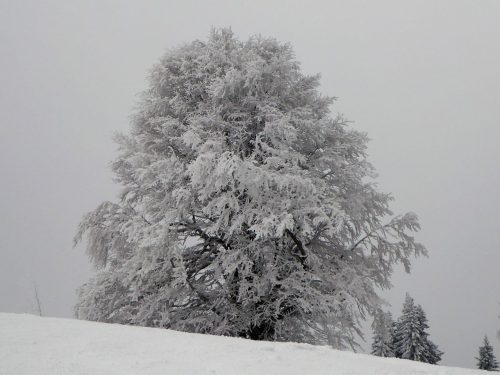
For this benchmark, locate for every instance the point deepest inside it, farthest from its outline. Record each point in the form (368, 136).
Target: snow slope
(32, 345)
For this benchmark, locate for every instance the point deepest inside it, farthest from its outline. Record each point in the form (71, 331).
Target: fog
(421, 77)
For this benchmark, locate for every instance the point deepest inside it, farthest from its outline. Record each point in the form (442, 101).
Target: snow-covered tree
(486, 359)
(411, 341)
(382, 326)
(246, 208)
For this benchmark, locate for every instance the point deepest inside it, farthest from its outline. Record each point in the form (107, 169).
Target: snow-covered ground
(32, 345)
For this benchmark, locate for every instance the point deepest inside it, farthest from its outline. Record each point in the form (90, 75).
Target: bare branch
(37, 300)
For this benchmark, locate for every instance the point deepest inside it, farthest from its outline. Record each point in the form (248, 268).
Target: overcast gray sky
(421, 77)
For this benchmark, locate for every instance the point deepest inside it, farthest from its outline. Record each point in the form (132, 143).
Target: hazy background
(421, 77)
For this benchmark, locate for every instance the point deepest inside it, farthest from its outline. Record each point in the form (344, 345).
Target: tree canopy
(246, 208)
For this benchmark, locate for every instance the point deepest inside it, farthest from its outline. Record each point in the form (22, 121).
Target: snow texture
(32, 345)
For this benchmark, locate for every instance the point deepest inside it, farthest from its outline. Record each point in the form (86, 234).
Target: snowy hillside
(31, 345)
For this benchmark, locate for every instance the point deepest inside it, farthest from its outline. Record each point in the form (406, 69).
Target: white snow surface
(32, 345)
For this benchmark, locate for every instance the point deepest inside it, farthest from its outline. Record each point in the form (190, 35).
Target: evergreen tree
(486, 359)
(393, 338)
(382, 334)
(246, 208)
(411, 341)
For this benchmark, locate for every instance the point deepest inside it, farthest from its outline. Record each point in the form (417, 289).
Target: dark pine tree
(411, 341)
(486, 360)
(432, 354)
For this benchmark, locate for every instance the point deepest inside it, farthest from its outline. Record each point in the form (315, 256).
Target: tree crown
(246, 208)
